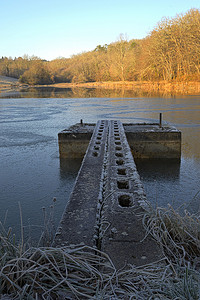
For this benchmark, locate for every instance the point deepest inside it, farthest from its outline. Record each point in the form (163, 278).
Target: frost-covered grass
(82, 272)
(6, 79)
(8, 84)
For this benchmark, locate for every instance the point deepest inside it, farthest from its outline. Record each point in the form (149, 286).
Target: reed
(162, 88)
(177, 233)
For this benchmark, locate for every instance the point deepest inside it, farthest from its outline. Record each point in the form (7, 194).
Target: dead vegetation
(82, 272)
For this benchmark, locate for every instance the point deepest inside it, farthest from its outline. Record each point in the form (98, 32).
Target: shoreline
(158, 87)
(176, 88)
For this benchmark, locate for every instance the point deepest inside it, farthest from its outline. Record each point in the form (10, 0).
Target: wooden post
(160, 121)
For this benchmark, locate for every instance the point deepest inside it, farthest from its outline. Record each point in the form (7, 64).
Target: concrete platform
(145, 140)
(108, 201)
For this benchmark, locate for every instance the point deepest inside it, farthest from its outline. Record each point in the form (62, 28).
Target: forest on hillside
(171, 51)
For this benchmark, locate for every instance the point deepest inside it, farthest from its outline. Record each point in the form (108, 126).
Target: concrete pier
(124, 202)
(108, 201)
(79, 219)
(145, 140)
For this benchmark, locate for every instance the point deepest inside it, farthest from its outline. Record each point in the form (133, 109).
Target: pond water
(32, 174)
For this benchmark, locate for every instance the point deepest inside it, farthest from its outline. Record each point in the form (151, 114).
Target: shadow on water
(161, 180)
(69, 167)
(159, 169)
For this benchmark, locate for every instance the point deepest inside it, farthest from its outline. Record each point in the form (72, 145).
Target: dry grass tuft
(178, 234)
(82, 272)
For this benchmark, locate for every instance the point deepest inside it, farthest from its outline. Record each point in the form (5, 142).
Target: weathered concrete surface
(124, 201)
(145, 140)
(79, 219)
(107, 204)
(151, 141)
(73, 142)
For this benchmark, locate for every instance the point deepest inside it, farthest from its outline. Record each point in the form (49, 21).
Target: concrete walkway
(107, 203)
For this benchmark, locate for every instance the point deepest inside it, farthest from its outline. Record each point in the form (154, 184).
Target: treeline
(170, 52)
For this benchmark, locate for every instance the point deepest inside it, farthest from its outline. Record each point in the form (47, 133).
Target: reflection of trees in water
(46, 92)
(90, 92)
(82, 92)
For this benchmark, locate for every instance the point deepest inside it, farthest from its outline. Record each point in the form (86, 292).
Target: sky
(61, 28)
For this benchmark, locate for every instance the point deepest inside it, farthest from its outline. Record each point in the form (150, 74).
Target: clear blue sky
(54, 28)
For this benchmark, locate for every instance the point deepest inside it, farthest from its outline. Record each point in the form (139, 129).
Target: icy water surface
(32, 174)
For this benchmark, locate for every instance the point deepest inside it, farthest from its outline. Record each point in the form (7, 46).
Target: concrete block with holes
(122, 232)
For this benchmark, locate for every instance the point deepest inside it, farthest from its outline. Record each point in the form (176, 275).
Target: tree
(37, 74)
(122, 59)
(174, 47)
